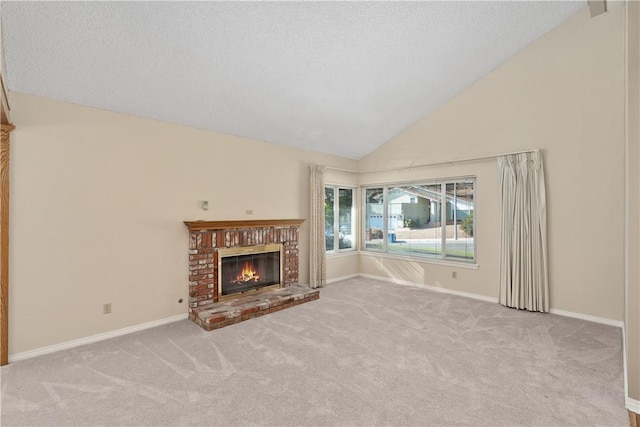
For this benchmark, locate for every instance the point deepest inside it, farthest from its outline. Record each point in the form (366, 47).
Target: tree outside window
(339, 211)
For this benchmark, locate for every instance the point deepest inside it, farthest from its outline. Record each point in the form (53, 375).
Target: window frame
(439, 258)
(336, 218)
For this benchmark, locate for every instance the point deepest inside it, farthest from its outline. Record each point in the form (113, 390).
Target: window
(374, 208)
(338, 218)
(424, 219)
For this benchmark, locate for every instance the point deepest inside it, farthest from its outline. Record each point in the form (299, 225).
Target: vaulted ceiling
(336, 77)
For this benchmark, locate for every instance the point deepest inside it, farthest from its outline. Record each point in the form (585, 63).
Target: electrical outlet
(454, 274)
(106, 308)
(249, 212)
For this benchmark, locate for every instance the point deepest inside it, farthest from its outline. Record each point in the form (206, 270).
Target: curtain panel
(524, 282)
(317, 262)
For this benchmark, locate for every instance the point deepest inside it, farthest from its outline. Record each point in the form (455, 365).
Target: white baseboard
(632, 405)
(94, 338)
(603, 320)
(341, 278)
(431, 288)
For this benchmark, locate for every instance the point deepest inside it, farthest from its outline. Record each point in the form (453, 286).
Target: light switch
(205, 205)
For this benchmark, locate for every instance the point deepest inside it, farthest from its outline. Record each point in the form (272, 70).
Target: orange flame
(248, 273)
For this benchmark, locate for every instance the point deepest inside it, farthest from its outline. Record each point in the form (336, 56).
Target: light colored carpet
(366, 353)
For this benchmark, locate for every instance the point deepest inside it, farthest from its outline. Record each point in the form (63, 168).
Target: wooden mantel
(251, 223)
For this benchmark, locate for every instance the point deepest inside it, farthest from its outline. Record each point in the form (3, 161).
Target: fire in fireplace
(248, 269)
(248, 274)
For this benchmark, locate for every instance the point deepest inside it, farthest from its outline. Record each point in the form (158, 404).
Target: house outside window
(421, 219)
(339, 218)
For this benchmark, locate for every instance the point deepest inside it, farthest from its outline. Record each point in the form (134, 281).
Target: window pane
(374, 212)
(460, 242)
(329, 199)
(414, 220)
(345, 211)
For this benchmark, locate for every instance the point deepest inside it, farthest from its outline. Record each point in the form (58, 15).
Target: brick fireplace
(211, 242)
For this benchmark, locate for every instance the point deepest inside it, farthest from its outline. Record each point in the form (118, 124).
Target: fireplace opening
(248, 269)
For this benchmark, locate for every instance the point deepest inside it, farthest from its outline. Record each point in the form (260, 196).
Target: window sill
(342, 253)
(444, 262)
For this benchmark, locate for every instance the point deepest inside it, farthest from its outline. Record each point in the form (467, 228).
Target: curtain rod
(469, 159)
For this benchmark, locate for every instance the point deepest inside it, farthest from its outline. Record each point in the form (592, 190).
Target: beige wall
(343, 265)
(632, 318)
(565, 95)
(98, 200)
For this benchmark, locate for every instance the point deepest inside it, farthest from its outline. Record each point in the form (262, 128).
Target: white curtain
(524, 279)
(317, 264)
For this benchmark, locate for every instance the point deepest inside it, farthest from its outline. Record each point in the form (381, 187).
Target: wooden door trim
(4, 243)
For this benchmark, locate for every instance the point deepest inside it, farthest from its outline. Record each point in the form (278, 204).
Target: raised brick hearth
(206, 237)
(228, 312)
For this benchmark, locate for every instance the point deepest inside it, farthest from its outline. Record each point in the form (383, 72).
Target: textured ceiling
(336, 77)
